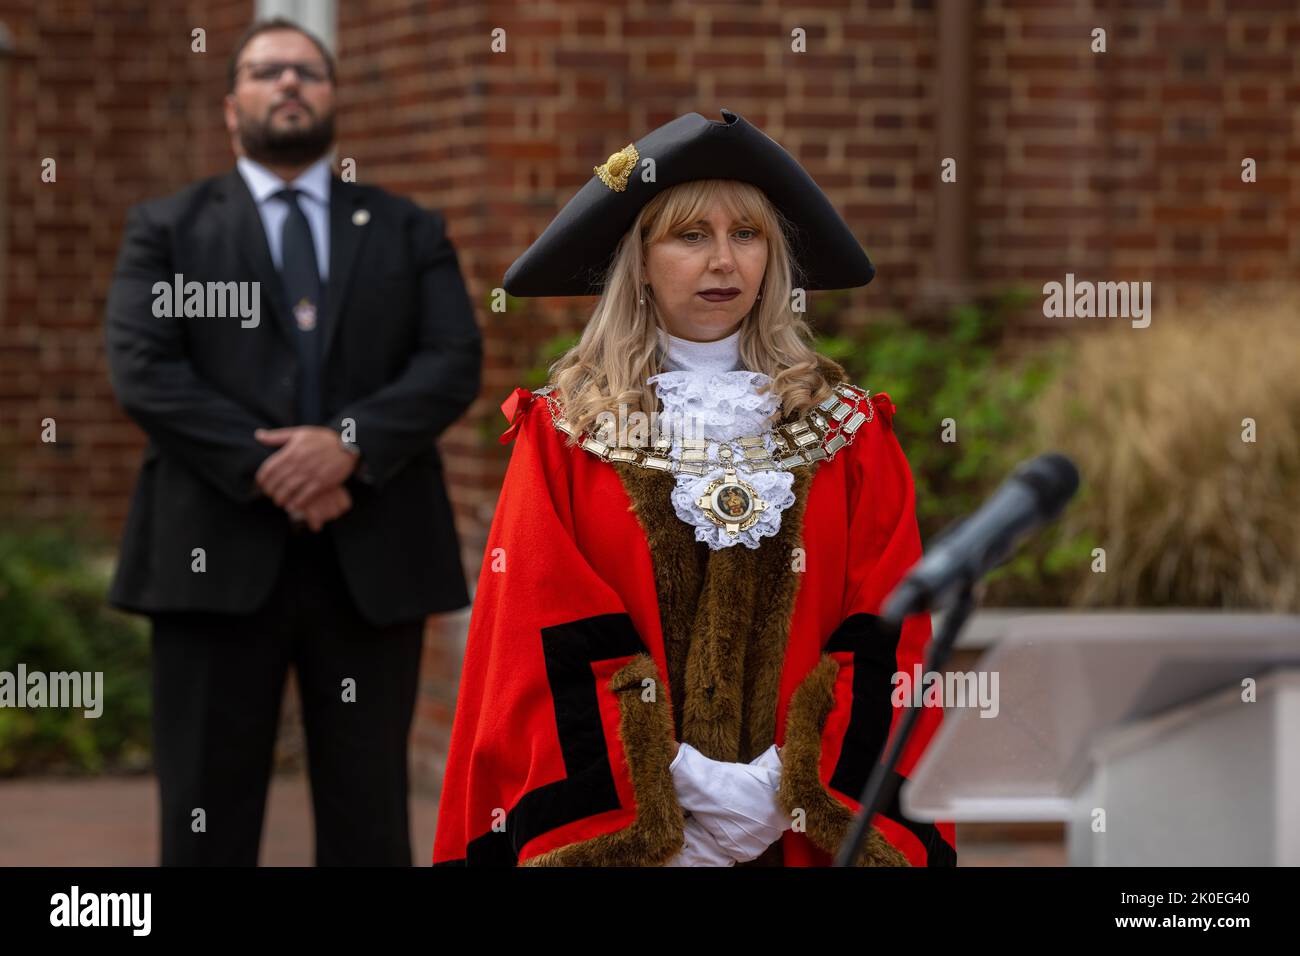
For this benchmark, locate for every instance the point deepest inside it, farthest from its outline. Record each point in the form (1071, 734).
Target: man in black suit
(293, 345)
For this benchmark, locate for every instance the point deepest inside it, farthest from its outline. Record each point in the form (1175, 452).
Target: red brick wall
(113, 94)
(1127, 165)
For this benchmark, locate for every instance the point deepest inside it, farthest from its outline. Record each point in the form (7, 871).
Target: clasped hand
(734, 813)
(306, 475)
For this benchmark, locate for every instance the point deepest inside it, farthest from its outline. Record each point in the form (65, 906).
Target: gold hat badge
(615, 170)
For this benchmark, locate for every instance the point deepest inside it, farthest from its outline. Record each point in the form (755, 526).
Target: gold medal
(731, 503)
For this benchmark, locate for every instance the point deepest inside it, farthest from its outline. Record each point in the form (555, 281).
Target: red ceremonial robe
(602, 633)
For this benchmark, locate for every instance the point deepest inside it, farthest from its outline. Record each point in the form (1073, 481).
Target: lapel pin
(304, 314)
(360, 217)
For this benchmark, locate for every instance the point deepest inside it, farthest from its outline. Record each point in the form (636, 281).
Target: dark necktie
(300, 276)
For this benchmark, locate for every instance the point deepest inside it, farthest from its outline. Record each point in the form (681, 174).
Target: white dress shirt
(314, 187)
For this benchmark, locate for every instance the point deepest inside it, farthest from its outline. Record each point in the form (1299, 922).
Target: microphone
(1032, 496)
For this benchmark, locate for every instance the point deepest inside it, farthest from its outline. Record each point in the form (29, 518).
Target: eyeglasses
(270, 71)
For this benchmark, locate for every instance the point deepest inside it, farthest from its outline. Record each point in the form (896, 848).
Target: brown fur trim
(776, 587)
(679, 562)
(827, 819)
(646, 729)
(725, 616)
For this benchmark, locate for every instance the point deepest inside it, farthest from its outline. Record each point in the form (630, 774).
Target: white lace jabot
(706, 384)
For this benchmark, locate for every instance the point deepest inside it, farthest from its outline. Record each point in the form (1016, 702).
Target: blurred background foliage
(54, 617)
(1187, 434)
(966, 388)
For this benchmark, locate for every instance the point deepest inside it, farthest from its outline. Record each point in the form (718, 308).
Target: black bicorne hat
(571, 256)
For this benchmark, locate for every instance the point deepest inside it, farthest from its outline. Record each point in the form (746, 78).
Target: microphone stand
(880, 788)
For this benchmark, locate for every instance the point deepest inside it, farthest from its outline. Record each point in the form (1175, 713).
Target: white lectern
(1138, 730)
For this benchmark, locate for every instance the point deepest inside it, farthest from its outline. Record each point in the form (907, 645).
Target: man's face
(281, 116)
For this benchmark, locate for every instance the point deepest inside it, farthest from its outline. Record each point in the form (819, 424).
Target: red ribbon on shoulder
(513, 408)
(884, 407)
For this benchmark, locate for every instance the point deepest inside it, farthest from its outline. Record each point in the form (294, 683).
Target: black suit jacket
(401, 357)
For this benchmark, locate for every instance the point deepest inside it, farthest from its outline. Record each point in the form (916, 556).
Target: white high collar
(683, 355)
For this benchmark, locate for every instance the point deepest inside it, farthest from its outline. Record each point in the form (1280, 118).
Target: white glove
(769, 759)
(700, 849)
(735, 802)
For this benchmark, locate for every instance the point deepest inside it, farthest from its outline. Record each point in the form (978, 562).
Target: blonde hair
(618, 349)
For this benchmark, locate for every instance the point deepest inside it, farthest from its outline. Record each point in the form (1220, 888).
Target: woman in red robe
(676, 654)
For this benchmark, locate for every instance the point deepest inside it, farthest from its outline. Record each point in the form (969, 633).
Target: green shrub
(965, 367)
(54, 617)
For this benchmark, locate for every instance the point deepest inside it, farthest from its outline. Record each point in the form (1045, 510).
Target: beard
(268, 145)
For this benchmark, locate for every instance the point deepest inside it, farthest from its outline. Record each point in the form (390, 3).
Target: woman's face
(706, 275)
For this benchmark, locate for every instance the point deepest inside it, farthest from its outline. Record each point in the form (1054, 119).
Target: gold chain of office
(817, 436)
